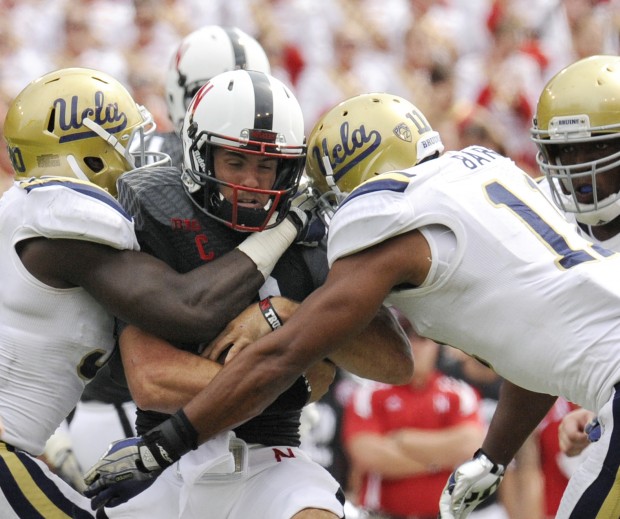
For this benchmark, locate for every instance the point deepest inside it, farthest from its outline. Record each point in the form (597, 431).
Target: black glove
(304, 209)
(132, 465)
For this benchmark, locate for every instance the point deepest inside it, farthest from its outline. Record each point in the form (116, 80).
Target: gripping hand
(304, 209)
(132, 465)
(469, 485)
(127, 468)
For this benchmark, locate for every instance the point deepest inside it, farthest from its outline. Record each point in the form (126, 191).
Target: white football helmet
(78, 122)
(581, 105)
(202, 55)
(251, 112)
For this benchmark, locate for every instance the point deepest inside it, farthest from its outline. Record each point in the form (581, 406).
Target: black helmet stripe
(263, 101)
(241, 60)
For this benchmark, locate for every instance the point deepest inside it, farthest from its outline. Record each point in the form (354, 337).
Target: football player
(244, 153)
(200, 55)
(70, 261)
(467, 246)
(577, 131)
(106, 411)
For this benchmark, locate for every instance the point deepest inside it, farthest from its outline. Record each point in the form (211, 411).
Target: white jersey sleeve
(68, 208)
(363, 221)
(52, 341)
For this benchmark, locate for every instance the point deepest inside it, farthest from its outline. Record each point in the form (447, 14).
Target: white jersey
(510, 278)
(52, 340)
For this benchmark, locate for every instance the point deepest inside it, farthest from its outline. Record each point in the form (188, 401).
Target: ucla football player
(577, 131)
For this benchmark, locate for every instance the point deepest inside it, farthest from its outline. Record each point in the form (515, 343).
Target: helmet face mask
(79, 123)
(577, 131)
(362, 137)
(251, 113)
(202, 55)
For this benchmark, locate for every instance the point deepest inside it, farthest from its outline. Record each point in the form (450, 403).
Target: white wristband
(265, 248)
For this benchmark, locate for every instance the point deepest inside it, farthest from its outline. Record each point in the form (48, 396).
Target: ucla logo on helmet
(353, 147)
(70, 118)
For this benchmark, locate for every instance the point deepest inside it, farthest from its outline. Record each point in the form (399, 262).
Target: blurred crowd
(474, 67)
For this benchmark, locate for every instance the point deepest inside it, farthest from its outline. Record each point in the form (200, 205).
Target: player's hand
(571, 432)
(127, 468)
(304, 207)
(469, 485)
(249, 326)
(320, 376)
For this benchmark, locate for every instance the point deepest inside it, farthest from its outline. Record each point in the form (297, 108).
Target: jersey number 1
(567, 256)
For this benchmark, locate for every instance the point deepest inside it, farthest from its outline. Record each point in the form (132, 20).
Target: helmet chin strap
(110, 139)
(601, 216)
(329, 178)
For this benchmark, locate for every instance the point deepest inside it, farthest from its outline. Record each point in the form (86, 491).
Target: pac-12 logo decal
(350, 144)
(403, 132)
(107, 115)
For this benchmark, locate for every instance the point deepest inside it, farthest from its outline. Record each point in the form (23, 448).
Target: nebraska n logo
(279, 454)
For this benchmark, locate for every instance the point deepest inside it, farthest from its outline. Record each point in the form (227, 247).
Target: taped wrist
(265, 248)
(170, 440)
(295, 397)
(269, 313)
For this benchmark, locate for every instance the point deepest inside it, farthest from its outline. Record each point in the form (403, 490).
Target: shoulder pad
(60, 207)
(364, 221)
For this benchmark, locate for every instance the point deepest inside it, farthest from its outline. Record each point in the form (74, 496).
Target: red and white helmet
(203, 54)
(251, 112)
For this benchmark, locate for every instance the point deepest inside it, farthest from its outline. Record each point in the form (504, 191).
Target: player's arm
(161, 377)
(377, 354)
(380, 353)
(164, 378)
(334, 313)
(140, 289)
(518, 413)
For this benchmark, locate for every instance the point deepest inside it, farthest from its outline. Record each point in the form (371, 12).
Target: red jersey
(443, 402)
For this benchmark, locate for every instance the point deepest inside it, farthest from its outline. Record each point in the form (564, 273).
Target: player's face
(248, 171)
(607, 183)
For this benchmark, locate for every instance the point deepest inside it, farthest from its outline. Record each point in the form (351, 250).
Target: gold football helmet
(362, 137)
(579, 108)
(78, 122)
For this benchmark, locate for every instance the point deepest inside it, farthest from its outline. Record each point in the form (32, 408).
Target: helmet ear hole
(94, 163)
